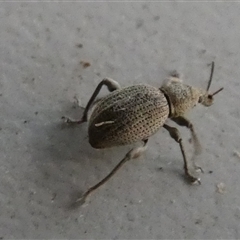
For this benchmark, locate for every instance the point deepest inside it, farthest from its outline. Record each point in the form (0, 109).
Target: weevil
(133, 114)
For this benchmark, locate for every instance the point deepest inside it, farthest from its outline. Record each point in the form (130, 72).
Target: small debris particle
(203, 51)
(33, 79)
(102, 123)
(236, 153)
(156, 18)
(139, 23)
(36, 113)
(85, 64)
(221, 188)
(25, 121)
(160, 169)
(79, 45)
(53, 197)
(0, 94)
(198, 221)
(210, 171)
(175, 74)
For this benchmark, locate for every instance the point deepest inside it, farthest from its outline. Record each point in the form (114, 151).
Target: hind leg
(111, 84)
(133, 153)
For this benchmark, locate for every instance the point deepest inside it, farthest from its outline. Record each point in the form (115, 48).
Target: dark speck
(156, 18)
(85, 64)
(203, 51)
(0, 94)
(139, 23)
(36, 113)
(210, 171)
(198, 221)
(25, 121)
(144, 6)
(33, 79)
(79, 45)
(53, 197)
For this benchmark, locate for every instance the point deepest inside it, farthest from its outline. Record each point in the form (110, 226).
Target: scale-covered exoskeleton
(131, 114)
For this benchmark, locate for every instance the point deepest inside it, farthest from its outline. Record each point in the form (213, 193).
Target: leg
(134, 153)
(111, 84)
(182, 121)
(174, 133)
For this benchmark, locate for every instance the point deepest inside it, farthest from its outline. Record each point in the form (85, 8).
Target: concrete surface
(45, 165)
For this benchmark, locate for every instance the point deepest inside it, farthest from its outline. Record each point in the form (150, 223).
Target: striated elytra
(132, 114)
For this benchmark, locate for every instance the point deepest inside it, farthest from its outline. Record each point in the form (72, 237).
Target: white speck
(236, 153)
(102, 123)
(221, 188)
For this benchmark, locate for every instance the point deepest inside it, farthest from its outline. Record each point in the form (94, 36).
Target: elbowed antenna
(211, 75)
(219, 90)
(210, 81)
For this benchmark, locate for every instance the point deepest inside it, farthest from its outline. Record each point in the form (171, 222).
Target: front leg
(111, 84)
(182, 121)
(174, 133)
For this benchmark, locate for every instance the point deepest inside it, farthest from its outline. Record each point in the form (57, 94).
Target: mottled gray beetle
(134, 113)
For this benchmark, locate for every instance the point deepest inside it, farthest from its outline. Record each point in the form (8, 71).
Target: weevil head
(206, 98)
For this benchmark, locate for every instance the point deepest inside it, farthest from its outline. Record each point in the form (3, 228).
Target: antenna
(217, 91)
(211, 75)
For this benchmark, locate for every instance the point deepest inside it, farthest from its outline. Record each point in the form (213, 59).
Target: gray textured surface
(45, 165)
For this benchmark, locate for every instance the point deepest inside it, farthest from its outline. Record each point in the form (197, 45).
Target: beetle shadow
(66, 163)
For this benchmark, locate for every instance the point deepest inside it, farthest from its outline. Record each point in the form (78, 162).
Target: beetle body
(134, 113)
(127, 115)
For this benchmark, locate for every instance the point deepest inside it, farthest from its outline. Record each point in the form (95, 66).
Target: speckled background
(44, 165)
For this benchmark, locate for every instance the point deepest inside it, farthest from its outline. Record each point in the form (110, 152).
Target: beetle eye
(210, 96)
